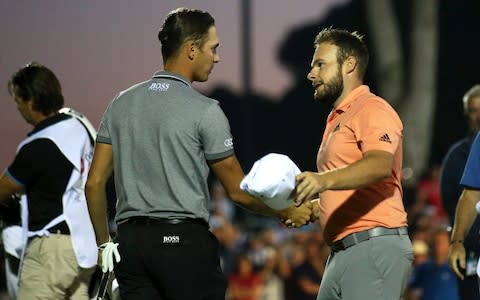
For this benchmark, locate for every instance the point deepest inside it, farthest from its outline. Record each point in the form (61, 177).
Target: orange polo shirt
(362, 122)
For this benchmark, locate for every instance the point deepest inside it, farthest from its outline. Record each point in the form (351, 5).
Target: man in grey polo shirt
(161, 137)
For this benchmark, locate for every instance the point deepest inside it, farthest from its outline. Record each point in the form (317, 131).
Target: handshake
(297, 216)
(272, 180)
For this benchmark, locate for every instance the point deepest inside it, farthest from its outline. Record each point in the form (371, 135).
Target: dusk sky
(98, 48)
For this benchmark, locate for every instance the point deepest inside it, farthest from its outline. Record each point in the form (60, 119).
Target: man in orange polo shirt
(358, 181)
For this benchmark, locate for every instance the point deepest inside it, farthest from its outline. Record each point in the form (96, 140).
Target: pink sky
(97, 48)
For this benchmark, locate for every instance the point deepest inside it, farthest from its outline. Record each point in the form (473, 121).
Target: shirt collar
(49, 121)
(349, 99)
(174, 76)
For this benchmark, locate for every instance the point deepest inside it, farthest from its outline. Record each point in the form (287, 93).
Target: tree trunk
(419, 106)
(385, 40)
(414, 101)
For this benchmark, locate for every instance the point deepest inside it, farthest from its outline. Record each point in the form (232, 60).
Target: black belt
(170, 221)
(53, 230)
(361, 236)
(61, 228)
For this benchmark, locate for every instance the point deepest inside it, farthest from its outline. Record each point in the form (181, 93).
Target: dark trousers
(168, 261)
(468, 288)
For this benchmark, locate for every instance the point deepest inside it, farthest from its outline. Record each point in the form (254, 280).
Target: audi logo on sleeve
(228, 142)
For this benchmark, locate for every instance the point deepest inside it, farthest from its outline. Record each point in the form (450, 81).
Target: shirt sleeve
(215, 134)
(450, 175)
(103, 134)
(27, 166)
(378, 127)
(470, 176)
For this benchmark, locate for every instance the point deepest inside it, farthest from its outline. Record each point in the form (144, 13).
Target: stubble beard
(331, 91)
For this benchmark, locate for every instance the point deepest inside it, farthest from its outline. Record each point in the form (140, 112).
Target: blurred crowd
(264, 260)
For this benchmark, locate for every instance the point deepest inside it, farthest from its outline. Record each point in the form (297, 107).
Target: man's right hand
(456, 258)
(297, 216)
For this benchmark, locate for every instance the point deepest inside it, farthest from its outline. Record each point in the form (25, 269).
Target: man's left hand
(107, 253)
(309, 184)
(456, 258)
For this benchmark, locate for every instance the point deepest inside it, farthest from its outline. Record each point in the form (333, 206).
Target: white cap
(272, 179)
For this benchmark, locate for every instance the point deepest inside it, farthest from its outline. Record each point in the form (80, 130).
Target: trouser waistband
(170, 221)
(361, 236)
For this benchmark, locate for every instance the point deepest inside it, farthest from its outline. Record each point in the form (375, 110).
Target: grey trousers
(374, 269)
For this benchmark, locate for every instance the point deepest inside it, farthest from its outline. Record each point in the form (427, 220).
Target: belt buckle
(175, 221)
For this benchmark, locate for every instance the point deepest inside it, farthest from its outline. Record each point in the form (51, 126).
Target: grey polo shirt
(162, 133)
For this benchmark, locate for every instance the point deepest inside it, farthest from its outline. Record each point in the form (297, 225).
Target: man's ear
(191, 50)
(350, 64)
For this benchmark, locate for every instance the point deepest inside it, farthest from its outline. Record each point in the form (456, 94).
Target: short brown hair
(37, 83)
(348, 44)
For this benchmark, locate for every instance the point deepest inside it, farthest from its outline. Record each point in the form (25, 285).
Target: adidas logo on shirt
(385, 138)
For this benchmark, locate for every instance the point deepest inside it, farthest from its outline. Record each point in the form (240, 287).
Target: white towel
(272, 179)
(12, 240)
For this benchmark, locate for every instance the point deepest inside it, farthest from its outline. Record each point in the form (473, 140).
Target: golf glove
(109, 252)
